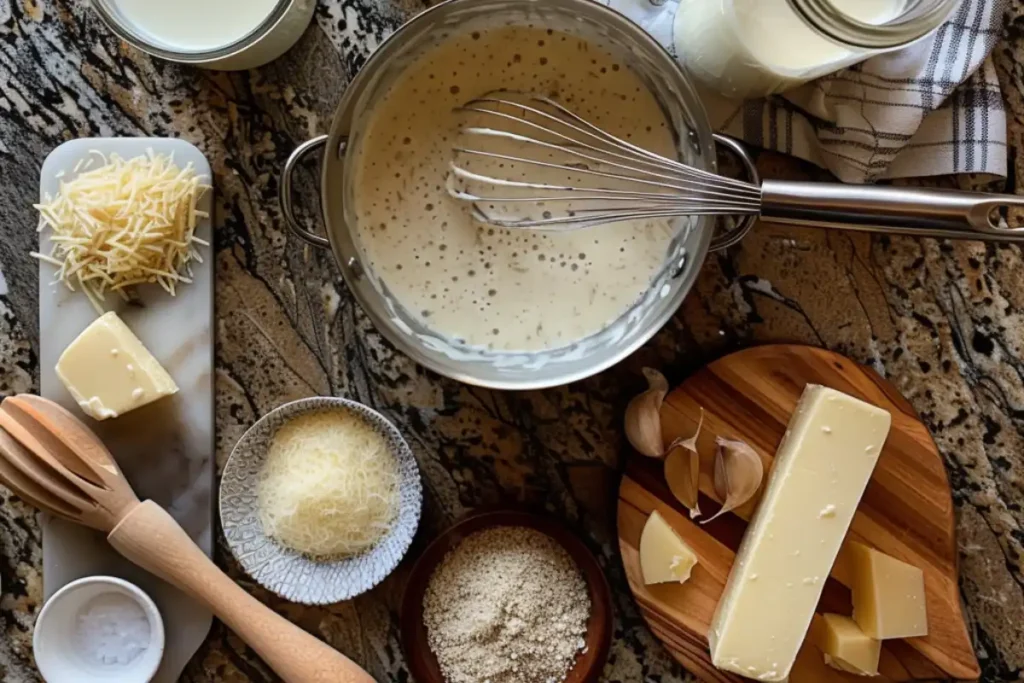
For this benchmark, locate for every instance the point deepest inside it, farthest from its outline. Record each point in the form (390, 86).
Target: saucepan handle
(917, 211)
(285, 192)
(725, 238)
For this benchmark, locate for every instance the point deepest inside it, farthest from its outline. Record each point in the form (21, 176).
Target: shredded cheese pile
(329, 487)
(123, 224)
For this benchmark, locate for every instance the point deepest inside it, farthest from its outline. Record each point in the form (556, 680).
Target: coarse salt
(112, 629)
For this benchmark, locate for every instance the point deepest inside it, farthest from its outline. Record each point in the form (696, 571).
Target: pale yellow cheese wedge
(888, 595)
(845, 646)
(664, 556)
(109, 372)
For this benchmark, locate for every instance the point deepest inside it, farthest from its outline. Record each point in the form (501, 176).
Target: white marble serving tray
(166, 449)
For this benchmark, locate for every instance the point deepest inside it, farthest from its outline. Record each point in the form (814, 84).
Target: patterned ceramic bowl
(286, 572)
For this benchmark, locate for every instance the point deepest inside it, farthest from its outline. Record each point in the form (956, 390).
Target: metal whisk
(525, 161)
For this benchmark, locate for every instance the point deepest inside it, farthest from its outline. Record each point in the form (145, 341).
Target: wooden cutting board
(906, 512)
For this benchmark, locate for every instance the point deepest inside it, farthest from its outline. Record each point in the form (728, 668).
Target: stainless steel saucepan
(801, 203)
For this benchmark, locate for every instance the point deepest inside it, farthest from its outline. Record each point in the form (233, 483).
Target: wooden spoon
(53, 461)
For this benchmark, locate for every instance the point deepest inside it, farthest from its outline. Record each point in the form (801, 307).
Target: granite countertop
(944, 321)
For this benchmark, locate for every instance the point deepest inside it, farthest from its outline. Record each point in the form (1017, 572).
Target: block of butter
(888, 595)
(845, 646)
(820, 472)
(664, 556)
(109, 372)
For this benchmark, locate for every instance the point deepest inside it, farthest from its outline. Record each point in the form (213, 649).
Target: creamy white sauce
(509, 290)
(195, 25)
(748, 48)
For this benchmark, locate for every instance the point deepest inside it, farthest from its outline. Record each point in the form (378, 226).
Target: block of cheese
(109, 372)
(888, 595)
(664, 556)
(821, 469)
(845, 646)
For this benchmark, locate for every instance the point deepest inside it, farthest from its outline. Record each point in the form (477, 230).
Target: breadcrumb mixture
(507, 605)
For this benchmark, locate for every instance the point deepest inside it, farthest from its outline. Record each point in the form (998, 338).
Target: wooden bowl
(423, 664)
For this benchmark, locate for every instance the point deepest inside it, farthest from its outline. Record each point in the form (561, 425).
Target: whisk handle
(918, 211)
(150, 538)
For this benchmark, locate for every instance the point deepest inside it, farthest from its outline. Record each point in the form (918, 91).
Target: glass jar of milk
(217, 34)
(753, 48)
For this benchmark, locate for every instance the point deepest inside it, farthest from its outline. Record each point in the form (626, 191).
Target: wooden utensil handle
(150, 538)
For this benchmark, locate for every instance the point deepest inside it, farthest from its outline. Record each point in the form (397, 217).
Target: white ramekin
(59, 661)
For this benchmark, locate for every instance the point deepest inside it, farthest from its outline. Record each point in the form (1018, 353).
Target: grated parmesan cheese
(123, 224)
(329, 486)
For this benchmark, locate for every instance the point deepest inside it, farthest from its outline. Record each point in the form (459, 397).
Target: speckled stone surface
(944, 321)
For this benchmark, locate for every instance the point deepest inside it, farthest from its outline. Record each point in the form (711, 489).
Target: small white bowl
(59, 653)
(265, 42)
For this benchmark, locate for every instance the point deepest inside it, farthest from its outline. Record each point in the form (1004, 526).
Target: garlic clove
(643, 416)
(682, 470)
(738, 474)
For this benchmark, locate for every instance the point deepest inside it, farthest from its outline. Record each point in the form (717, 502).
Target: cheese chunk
(845, 646)
(109, 372)
(888, 595)
(820, 472)
(664, 556)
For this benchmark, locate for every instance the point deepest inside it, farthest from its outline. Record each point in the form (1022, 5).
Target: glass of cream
(225, 35)
(753, 48)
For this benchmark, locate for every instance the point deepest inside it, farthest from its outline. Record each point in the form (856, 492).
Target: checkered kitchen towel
(933, 108)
